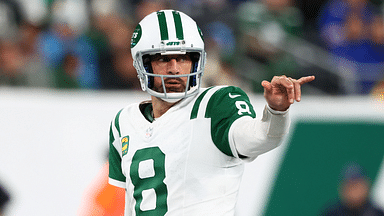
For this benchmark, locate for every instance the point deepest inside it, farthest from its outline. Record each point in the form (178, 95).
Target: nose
(173, 67)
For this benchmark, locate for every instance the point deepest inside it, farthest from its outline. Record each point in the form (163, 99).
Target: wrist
(277, 111)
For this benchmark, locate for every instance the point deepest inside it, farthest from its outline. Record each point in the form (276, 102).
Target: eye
(166, 59)
(183, 58)
(158, 58)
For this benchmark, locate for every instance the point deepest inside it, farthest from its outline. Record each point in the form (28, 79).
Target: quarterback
(182, 152)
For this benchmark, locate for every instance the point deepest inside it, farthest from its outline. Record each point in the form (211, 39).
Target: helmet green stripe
(178, 25)
(162, 25)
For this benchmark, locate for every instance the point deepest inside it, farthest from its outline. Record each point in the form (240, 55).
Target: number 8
(155, 182)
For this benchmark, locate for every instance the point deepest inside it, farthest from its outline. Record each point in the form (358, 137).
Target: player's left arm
(235, 129)
(253, 137)
(226, 106)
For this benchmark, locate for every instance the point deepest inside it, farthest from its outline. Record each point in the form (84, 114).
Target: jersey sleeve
(116, 176)
(225, 106)
(253, 137)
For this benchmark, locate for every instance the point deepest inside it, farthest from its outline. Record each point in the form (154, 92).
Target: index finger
(306, 79)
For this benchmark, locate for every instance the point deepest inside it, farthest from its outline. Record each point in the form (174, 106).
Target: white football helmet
(168, 32)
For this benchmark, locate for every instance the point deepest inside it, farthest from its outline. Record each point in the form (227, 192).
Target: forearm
(252, 137)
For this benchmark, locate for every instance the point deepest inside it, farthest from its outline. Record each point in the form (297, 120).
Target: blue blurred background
(84, 44)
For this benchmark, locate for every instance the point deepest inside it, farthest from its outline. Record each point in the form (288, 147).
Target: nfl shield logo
(148, 132)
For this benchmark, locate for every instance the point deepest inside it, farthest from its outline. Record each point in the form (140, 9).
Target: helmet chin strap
(170, 100)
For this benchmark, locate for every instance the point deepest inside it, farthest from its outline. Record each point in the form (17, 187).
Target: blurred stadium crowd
(85, 44)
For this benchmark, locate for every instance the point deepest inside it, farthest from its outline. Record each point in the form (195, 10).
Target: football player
(183, 151)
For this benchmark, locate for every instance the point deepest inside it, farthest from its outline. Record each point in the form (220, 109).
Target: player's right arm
(116, 176)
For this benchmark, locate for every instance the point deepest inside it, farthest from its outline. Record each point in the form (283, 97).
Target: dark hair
(353, 171)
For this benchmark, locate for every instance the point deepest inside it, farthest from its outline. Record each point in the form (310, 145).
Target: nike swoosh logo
(233, 96)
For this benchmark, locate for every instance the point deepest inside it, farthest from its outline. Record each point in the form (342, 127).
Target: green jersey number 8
(153, 182)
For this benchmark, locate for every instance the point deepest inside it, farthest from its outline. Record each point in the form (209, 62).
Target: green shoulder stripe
(117, 124)
(111, 137)
(196, 106)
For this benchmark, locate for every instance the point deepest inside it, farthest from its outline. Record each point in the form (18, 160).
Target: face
(355, 193)
(171, 65)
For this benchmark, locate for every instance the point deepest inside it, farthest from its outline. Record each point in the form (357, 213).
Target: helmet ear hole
(146, 59)
(148, 69)
(195, 56)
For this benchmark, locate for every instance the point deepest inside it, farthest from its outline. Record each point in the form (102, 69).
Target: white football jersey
(181, 163)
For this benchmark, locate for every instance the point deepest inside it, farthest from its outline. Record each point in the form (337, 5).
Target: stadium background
(53, 134)
(54, 143)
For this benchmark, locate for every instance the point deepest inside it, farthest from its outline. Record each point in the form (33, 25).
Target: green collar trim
(147, 112)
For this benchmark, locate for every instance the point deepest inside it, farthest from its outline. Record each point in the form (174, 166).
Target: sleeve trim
(116, 183)
(275, 112)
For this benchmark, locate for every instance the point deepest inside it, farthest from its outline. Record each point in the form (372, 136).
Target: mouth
(172, 81)
(174, 85)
